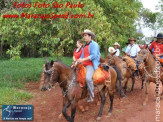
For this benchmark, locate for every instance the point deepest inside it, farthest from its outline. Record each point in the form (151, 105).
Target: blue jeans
(89, 75)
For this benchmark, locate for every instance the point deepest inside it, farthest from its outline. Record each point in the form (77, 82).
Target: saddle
(100, 76)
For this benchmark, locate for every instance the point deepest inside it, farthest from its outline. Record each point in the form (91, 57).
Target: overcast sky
(150, 4)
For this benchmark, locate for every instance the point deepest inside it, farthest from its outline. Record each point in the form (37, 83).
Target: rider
(132, 50)
(116, 47)
(78, 51)
(90, 58)
(158, 47)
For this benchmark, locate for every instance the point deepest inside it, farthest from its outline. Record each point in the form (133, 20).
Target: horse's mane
(63, 64)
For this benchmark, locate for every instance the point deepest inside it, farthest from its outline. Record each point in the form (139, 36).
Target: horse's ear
(51, 62)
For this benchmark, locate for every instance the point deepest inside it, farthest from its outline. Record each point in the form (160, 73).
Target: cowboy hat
(116, 43)
(132, 39)
(88, 32)
(111, 50)
(159, 36)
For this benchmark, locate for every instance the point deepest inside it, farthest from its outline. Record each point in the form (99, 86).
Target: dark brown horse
(126, 73)
(66, 77)
(152, 70)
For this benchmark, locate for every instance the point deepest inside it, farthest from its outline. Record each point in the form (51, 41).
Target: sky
(150, 4)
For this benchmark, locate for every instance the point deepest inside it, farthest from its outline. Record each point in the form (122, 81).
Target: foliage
(51, 37)
(122, 15)
(112, 21)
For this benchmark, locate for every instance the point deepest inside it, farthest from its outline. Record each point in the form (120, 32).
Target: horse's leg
(119, 86)
(103, 98)
(147, 91)
(64, 101)
(120, 89)
(98, 98)
(67, 104)
(73, 110)
(125, 87)
(142, 83)
(133, 82)
(111, 96)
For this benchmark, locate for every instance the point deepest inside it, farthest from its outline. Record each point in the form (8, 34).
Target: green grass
(14, 74)
(12, 96)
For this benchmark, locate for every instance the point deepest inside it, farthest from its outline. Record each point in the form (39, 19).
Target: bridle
(51, 72)
(146, 72)
(146, 56)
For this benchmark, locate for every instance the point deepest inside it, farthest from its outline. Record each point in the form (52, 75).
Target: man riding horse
(90, 58)
(157, 46)
(132, 51)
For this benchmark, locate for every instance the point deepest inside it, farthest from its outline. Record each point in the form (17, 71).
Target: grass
(14, 74)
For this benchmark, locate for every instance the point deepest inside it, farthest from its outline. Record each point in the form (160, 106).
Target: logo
(17, 112)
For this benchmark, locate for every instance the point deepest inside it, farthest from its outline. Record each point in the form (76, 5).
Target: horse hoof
(60, 116)
(81, 108)
(98, 103)
(109, 114)
(98, 118)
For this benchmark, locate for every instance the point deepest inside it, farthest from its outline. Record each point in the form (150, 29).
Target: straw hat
(132, 39)
(111, 50)
(116, 43)
(88, 32)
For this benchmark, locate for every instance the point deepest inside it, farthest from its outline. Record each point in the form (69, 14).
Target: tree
(122, 15)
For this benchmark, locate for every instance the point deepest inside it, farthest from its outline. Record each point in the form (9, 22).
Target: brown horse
(152, 70)
(126, 73)
(66, 77)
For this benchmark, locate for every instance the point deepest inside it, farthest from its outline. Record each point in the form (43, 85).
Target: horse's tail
(119, 79)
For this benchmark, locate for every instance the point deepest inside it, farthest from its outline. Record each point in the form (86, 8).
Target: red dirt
(48, 106)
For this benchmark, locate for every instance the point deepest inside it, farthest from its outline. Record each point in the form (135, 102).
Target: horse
(152, 69)
(57, 72)
(126, 73)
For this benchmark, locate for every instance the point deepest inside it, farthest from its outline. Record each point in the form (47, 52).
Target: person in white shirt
(116, 47)
(132, 49)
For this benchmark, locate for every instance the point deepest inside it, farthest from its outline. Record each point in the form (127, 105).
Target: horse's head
(50, 75)
(143, 55)
(110, 59)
